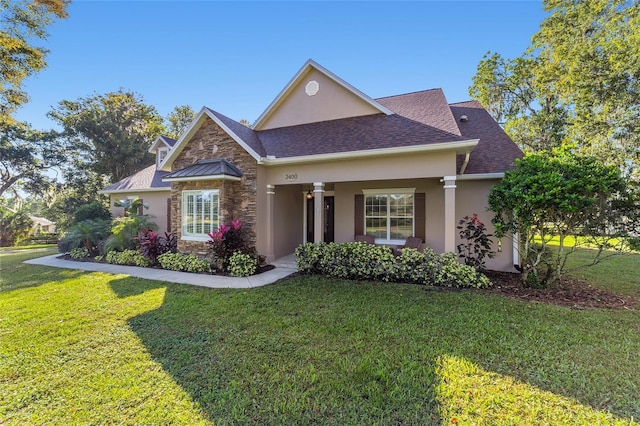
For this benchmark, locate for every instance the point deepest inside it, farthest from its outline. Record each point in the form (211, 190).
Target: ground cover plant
(110, 348)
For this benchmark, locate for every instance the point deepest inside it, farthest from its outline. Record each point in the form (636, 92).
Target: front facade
(325, 162)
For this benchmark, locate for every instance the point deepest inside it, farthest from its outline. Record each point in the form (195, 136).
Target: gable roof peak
(306, 68)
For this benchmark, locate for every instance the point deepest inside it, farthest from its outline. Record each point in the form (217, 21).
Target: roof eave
(190, 132)
(296, 79)
(129, 190)
(207, 177)
(460, 147)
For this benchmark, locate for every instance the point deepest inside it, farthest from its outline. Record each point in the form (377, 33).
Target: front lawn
(78, 348)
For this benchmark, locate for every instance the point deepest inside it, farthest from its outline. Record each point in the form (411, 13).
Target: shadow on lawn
(312, 350)
(14, 274)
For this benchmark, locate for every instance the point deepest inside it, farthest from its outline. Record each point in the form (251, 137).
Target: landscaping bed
(570, 291)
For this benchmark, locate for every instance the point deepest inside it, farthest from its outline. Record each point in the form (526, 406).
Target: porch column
(318, 212)
(271, 193)
(449, 213)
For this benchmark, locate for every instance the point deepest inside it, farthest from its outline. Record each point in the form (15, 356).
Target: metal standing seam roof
(204, 168)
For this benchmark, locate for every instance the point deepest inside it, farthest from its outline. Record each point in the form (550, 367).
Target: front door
(328, 212)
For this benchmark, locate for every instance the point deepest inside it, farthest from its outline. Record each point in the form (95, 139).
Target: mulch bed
(568, 292)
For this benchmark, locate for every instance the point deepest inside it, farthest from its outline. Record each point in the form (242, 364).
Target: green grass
(27, 247)
(87, 348)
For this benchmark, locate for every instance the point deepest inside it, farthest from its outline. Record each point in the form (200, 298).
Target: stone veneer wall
(237, 199)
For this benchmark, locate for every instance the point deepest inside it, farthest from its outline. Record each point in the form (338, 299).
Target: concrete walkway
(212, 281)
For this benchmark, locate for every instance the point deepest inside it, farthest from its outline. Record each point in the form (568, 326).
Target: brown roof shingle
(351, 134)
(429, 107)
(495, 152)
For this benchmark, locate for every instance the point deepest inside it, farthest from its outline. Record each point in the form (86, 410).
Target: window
(162, 154)
(200, 213)
(389, 214)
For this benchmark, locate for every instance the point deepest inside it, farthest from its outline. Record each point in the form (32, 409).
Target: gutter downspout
(465, 163)
(516, 252)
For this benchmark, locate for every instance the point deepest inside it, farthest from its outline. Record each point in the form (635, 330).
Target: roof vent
(464, 118)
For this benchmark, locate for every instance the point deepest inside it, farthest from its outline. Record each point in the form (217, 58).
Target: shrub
(127, 257)
(370, 262)
(476, 242)
(183, 262)
(88, 234)
(94, 211)
(242, 265)
(153, 244)
(125, 230)
(15, 227)
(634, 243)
(226, 241)
(79, 253)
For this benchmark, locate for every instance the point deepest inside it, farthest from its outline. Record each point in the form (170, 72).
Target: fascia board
(154, 147)
(210, 177)
(459, 147)
(124, 191)
(299, 76)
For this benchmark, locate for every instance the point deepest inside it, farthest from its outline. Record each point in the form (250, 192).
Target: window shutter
(420, 216)
(358, 221)
(169, 214)
(141, 208)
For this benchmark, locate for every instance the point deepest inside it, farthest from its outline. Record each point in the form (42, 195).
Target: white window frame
(388, 192)
(215, 206)
(161, 157)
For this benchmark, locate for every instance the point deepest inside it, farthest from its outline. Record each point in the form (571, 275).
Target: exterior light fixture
(309, 195)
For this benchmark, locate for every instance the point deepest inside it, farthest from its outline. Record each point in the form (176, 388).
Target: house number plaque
(291, 177)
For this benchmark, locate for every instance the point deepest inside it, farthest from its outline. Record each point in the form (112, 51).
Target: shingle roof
(245, 133)
(169, 141)
(210, 167)
(351, 134)
(149, 178)
(429, 107)
(495, 152)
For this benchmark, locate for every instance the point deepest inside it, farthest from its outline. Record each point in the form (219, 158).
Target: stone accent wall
(237, 199)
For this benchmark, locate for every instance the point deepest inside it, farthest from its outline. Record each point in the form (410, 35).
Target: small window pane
(200, 212)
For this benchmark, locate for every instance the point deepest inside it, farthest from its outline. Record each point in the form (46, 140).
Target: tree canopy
(577, 87)
(22, 23)
(112, 132)
(26, 155)
(178, 120)
(548, 197)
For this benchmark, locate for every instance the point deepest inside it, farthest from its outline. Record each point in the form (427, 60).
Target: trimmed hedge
(358, 261)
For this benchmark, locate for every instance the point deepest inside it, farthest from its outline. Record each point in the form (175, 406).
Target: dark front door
(328, 212)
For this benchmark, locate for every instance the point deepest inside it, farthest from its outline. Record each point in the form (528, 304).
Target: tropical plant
(242, 265)
(89, 234)
(476, 242)
(125, 231)
(153, 244)
(183, 262)
(226, 241)
(93, 210)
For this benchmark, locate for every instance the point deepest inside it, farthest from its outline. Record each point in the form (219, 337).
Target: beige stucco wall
(471, 197)
(157, 201)
(330, 103)
(416, 165)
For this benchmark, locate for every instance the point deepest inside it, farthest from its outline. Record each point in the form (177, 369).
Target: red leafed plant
(152, 244)
(226, 241)
(476, 243)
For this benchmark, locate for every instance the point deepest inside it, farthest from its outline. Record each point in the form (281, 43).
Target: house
(325, 162)
(147, 185)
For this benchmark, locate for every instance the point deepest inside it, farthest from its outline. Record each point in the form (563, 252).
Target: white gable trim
(299, 76)
(459, 147)
(191, 131)
(154, 147)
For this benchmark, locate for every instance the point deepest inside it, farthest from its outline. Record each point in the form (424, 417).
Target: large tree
(178, 120)
(112, 131)
(22, 23)
(577, 86)
(26, 156)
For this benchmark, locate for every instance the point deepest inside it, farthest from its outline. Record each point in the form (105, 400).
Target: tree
(113, 132)
(14, 226)
(576, 199)
(178, 120)
(21, 23)
(26, 155)
(577, 85)
(245, 122)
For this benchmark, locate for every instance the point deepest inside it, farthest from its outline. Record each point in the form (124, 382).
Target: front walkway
(282, 270)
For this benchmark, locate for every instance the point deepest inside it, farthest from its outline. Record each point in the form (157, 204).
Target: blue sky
(235, 57)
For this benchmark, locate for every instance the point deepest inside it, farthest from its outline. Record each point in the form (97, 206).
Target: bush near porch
(358, 261)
